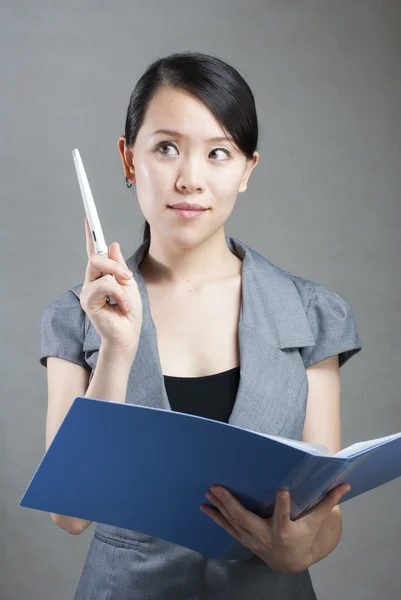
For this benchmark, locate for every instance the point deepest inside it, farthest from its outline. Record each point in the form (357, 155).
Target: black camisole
(211, 396)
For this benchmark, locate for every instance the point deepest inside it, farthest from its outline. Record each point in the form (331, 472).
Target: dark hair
(215, 83)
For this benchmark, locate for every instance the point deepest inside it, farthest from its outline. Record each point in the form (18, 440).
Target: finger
(243, 519)
(90, 246)
(218, 518)
(325, 506)
(221, 505)
(282, 511)
(116, 254)
(104, 287)
(99, 265)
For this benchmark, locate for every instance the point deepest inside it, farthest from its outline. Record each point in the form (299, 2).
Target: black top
(211, 396)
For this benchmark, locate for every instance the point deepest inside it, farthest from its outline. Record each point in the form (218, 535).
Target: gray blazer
(286, 324)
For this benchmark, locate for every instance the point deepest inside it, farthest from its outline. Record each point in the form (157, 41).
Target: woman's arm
(323, 426)
(66, 381)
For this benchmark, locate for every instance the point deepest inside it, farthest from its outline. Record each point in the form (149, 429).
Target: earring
(128, 183)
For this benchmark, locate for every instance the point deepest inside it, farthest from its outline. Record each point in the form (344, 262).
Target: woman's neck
(211, 261)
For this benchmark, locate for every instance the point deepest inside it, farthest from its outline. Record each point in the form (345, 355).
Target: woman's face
(184, 165)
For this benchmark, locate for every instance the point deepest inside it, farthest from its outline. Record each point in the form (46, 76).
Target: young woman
(204, 325)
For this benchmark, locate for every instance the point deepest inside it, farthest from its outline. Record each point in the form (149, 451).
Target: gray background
(323, 203)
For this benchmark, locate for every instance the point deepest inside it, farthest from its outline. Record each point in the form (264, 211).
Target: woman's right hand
(119, 326)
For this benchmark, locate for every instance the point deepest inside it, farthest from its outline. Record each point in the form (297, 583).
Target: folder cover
(148, 469)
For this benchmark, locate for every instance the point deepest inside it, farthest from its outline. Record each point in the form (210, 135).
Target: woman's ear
(127, 159)
(250, 165)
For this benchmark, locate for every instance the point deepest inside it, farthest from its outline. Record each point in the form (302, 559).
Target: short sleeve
(333, 327)
(62, 330)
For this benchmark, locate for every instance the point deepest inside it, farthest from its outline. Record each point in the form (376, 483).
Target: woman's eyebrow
(173, 133)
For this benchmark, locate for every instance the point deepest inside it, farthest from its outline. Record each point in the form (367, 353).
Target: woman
(195, 309)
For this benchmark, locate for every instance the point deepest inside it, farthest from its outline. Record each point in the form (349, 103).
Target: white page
(321, 450)
(311, 448)
(359, 446)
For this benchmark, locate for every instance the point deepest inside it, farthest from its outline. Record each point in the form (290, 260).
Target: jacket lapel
(272, 324)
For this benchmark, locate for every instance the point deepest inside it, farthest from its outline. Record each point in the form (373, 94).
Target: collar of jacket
(271, 304)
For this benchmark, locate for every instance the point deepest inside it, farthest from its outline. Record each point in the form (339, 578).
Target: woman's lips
(188, 214)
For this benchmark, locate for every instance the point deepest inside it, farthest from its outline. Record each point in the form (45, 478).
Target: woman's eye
(226, 152)
(164, 144)
(159, 147)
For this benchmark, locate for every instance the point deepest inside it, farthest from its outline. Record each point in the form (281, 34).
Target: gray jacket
(286, 324)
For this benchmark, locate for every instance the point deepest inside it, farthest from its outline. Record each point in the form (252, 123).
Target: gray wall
(323, 203)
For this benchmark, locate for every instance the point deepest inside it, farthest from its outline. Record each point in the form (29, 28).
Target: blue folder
(148, 469)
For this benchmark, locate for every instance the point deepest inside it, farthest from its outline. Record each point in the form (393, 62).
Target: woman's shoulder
(330, 318)
(66, 298)
(315, 295)
(306, 288)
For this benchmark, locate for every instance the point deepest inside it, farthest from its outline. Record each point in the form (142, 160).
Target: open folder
(148, 469)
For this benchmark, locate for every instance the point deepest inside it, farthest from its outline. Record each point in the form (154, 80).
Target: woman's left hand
(285, 545)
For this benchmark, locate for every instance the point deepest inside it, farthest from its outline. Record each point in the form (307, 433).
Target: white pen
(91, 212)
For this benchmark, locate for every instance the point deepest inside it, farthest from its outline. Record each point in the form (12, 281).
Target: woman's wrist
(119, 356)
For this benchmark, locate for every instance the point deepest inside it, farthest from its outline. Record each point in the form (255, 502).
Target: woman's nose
(191, 179)
(189, 187)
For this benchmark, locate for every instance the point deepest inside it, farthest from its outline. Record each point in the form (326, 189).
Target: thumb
(326, 505)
